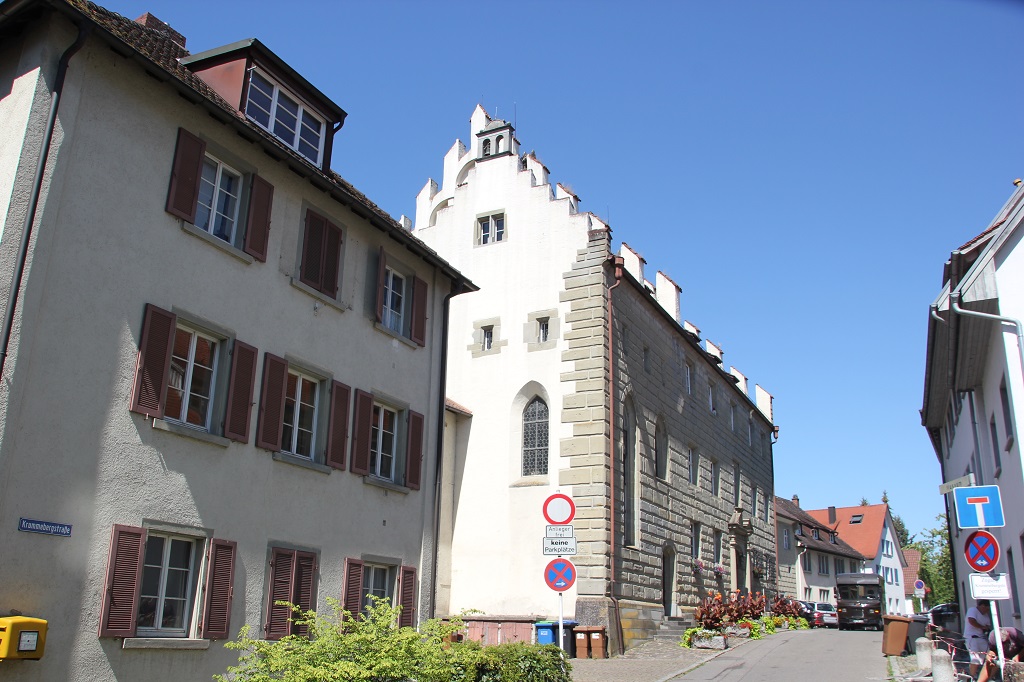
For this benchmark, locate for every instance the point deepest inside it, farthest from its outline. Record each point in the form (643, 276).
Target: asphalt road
(822, 654)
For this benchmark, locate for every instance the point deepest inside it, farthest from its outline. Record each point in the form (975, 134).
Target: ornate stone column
(740, 528)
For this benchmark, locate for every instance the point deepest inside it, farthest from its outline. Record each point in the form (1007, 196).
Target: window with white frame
(379, 582)
(805, 561)
(168, 588)
(383, 441)
(785, 538)
(687, 376)
(694, 466)
(286, 117)
(490, 229)
(823, 564)
(487, 342)
(219, 192)
(807, 593)
(394, 301)
(753, 501)
(193, 372)
(543, 329)
(301, 401)
(824, 595)
(1004, 400)
(535, 438)
(840, 565)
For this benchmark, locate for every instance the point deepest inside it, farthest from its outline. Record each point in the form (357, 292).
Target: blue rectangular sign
(979, 507)
(44, 527)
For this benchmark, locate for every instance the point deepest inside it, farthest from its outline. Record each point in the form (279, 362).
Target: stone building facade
(667, 455)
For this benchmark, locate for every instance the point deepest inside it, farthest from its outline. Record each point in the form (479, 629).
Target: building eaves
(159, 56)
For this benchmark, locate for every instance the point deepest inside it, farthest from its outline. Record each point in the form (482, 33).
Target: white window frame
(377, 433)
(187, 375)
(212, 211)
(490, 229)
(711, 398)
(302, 110)
(370, 571)
(805, 561)
(191, 581)
(291, 447)
(688, 377)
(543, 329)
(487, 339)
(823, 564)
(785, 538)
(394, 310)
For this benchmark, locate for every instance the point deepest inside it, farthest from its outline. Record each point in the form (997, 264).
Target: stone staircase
(672, 628)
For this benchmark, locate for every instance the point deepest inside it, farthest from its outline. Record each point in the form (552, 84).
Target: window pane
(147, 612)
(207, 189)
(181, 554)
(286, 118)
(261, 94)
(177, 583)
(174, 614)
(154, 551)
(227, 206)
(151, 581)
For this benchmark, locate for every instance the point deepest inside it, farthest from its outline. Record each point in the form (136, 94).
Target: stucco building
(811, 554)
(578, 375)
(245, 353)
(973, 382)
(869, 530)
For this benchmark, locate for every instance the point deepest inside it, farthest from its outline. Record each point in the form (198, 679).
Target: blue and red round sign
(981, 551)
(560, 574)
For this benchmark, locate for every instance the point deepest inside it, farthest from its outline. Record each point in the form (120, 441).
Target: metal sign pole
(561, 625)
(993, 609)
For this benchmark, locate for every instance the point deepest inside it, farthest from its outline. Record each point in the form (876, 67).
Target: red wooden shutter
(361, 433)
(311, 271)
(305, 587)
(220, 576)
(240, 389)
(119, 607)
(183, 193)
(153, 365)
(352, 588)
(382, 265)
(419, 313)
(271, 418)
(414, 451)
(332, 259)
(407, 597)
(257, 232)
(337, 429)
(282, 574)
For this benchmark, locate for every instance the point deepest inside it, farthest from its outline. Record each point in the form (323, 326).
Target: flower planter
(738, 631)
(715, 642)
(784, 625)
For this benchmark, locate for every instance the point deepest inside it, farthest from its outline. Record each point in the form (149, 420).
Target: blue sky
(801, 168)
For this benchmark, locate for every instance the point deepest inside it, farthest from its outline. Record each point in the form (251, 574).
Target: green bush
(369, 647)
(768, 624)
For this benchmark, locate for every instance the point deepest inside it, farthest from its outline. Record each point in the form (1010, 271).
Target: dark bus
(859, 600)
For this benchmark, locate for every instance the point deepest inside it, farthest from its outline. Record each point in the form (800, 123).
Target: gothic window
(535, 438)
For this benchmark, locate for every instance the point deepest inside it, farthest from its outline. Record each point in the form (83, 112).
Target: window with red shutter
(362, 433)
(186, 174)
(418, 332)
(257, 233)
(241, 385)
(121, 587)
(352, 588)
(337, 430)
(414, 450)
(321, 253)
(220, 575)
(382, 272)
(271, 415)
(153, 364)
(293, 581)
(407, 597)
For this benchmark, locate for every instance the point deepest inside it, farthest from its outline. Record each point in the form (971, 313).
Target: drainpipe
(954, 299)
(37, 188)
(457, 288)
(945, 498)
(617, 262)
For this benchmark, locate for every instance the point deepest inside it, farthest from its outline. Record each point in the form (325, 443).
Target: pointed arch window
(535, 438)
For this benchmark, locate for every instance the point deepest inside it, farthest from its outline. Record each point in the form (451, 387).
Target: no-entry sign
(559, 509)
(982, 551)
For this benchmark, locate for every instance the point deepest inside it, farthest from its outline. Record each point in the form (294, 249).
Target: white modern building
(973, 382)
(222, 385)
(578, 375)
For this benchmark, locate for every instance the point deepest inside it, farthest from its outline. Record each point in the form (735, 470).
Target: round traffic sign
(982, 551)
(560, 574)
(559, 509)
(918, 584)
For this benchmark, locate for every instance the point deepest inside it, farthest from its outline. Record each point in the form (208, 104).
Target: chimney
(796, 501)
(161, 27)
(832, 516)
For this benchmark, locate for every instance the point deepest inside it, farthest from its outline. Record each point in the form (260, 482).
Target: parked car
(946, 616)
(825, 615)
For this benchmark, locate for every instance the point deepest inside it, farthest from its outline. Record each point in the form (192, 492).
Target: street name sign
(560, 574)
(979, 507)
(982, 551)
(559, 509)
(560, 546)
(559, 531)
(44, 527)
(962, 482)
(989, 586)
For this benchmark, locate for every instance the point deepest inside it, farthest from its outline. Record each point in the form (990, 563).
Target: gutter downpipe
(617, 262)
(457, 288)
(945, 498)
(955, 303)
(37, 188)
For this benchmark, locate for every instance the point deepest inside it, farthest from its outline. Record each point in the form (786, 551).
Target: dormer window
(814, 534)
(856, 518)
(285, 117)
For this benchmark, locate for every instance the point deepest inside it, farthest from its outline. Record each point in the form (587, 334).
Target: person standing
(976, 629)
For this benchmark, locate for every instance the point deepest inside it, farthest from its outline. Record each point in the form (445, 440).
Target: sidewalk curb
(694, 666)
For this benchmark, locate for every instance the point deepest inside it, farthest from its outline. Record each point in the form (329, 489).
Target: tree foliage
(936, 562)
(369, 647)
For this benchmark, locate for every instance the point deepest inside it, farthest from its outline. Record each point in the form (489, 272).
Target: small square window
(543, 329)
(487, 342)
(490, 229)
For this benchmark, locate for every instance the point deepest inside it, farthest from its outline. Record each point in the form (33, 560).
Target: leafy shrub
(369, 647)
(768, 624)
(785, 606)
(798, 623)
(711, 612)
(752, 625)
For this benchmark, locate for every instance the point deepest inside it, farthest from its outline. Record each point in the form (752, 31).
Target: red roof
(865, 534)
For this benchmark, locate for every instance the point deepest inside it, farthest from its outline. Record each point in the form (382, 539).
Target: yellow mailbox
(22, 637)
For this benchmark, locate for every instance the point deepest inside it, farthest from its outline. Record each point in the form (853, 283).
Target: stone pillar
(740, 528)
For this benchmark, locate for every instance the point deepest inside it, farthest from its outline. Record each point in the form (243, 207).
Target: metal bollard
(923, 648)
(942, 666)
